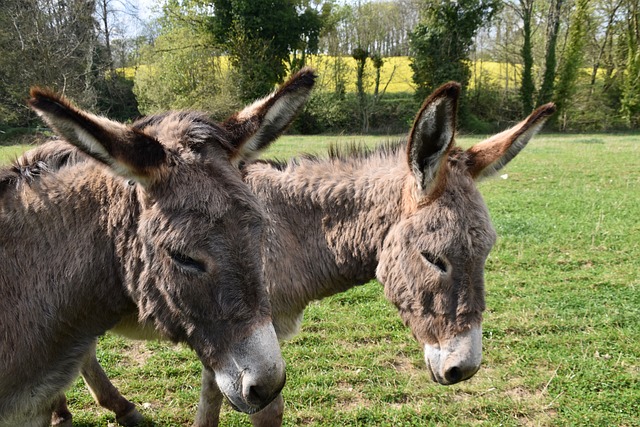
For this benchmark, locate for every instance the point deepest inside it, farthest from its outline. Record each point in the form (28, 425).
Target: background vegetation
(561, 330)
(218, 54)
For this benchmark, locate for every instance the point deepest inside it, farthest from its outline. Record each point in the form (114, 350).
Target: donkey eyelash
(187, 262)
(436, 261)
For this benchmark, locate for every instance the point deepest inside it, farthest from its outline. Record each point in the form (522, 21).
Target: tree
(331, 43)
(260, 36)
(361, 56)
(377, 26)
(47, 43)
(553, 23)
(182, 67)
(609, 11)
(378, 62)
(114, 91)
(527, 87)
(573, 59)
(631, 83)
(442, 41)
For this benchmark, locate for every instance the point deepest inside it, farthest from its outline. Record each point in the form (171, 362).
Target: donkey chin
(253, 374)
(456, 359)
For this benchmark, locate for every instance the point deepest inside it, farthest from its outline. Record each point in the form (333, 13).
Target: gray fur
(160, 229)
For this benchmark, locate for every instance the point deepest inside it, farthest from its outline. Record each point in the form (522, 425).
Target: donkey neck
(328, 221)
(73, 221)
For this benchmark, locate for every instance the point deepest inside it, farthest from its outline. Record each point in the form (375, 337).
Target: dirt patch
(404, 365)
(519, 393)
(351, 398)
(136, 354)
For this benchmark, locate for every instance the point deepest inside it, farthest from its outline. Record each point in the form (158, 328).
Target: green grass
(11, 152)
(561, 331)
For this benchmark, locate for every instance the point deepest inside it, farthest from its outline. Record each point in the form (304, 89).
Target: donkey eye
(187, 262)
(436, 261)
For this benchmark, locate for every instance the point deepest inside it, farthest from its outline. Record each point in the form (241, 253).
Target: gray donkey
(159, 226)
(408, 214)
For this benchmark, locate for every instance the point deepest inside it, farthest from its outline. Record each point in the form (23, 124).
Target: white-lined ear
(489, 156)
(126, 151)
(256, 126)
(432, 134)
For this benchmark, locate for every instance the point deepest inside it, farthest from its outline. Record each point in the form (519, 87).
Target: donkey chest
(287, 325)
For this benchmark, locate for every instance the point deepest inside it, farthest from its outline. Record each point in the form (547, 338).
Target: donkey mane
(25, 170)
(50, 159)
(355, 152)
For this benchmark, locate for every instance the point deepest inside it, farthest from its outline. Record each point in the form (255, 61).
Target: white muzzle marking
(457, 359)
(253, 373)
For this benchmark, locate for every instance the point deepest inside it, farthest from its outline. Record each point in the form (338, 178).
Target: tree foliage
(45, 43)
(573, 58)
(631, 84)
(550, 61)
(442, 41)
(260, 36)
(217, 54)
(181, 70)
(527, 87)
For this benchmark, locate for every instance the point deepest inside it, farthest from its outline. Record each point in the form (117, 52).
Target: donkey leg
(271, 415)
(208, 414)
(61, 416)
(105, 393)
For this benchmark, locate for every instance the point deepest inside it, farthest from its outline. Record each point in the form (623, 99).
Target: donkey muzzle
(456, 359)
(254, 372)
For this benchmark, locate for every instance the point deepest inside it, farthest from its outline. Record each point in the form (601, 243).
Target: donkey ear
(128, 152)
(259, 124)
(491, 155)
(432, 134)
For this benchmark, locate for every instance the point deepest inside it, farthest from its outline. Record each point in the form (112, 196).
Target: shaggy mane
(25, 170)
(352, 151)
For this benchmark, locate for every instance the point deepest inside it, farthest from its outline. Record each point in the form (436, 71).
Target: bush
(394, 114)
(489, 108)
(23, 135)
(115, 98)
(327, 112)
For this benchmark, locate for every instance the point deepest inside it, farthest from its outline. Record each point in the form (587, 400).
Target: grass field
(561, 330)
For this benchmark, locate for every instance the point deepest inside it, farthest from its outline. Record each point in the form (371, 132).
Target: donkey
(158, 225)
(408, 214)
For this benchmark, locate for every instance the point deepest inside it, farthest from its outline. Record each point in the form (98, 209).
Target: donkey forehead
(456, 221)
(450, 233)
(200, 226)
(210, 196)
(188, 129)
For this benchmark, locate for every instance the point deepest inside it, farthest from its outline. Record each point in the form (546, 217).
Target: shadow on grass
(589, 141)
(145, 423)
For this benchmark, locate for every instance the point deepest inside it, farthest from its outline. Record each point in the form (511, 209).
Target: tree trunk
(527, 87)
(607, 35)
(553, 23)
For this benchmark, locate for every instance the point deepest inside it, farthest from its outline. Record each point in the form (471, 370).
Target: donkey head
(191, 246)
(432, 260)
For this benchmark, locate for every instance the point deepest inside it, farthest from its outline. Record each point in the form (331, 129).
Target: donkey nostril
(256, 395)
(453, 375)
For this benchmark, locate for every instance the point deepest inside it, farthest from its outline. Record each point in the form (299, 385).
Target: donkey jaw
(457, 359)
(253, 373)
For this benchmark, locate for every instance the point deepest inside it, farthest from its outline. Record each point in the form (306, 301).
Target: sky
(146, 7)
